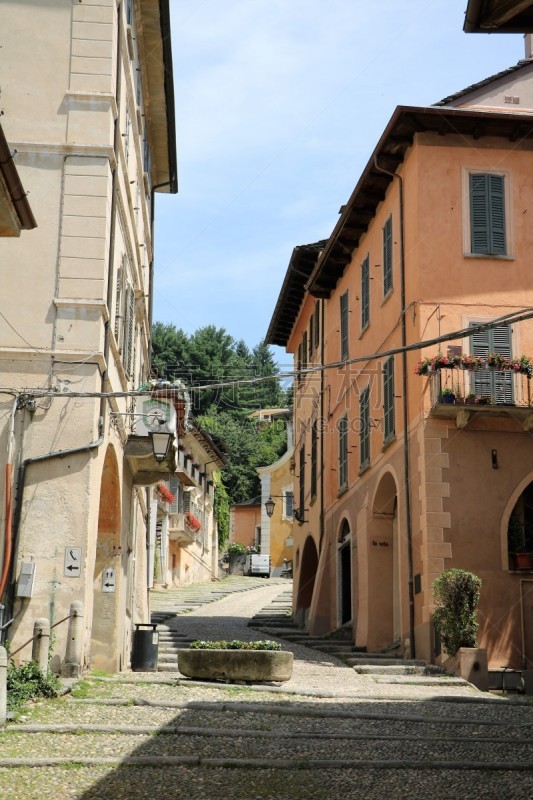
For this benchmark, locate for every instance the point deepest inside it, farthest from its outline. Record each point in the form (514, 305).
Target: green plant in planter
(236, 547)
(235, 644)
(456, 593)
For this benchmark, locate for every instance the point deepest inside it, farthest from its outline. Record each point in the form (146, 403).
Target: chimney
(528, 41)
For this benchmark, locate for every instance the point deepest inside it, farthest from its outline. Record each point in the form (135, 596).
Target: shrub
(235, 644)
(456, 593)
(236, 547)
(28, 682)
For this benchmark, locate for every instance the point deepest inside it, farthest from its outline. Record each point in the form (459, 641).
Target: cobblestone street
(327, 733)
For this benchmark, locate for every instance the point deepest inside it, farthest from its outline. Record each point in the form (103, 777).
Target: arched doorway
(306, 582)
(385, 609)
(344, 572)
(106, 580)
(520, 531)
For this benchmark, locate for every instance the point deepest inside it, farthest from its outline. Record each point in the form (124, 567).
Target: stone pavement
(327, 733)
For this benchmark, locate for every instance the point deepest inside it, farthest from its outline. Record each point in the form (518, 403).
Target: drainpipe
(322, 411)
(407, 471)
(8, 540)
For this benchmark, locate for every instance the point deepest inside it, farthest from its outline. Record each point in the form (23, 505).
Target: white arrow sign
(72, 567)
(109, 580)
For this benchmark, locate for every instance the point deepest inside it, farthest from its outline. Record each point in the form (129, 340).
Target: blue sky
(279, 104)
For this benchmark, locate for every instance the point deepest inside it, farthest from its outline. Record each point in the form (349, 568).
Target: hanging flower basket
(192, 522)
(164, 493)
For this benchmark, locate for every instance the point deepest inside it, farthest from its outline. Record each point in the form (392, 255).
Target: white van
(257, 565)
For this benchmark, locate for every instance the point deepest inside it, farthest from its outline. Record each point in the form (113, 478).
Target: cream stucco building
(88, 99)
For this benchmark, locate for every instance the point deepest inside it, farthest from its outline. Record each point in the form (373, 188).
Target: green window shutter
(497, 215)
(174, 487)
(343, 452)
(487, 214)
(129, 323)
(365, 292)
(364, 421)
(387, 257)
(388, 399)
(490, 382)
(314, 450)
(344, 326)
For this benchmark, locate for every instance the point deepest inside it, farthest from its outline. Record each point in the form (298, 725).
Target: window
(311, 336)
(125, 316)
(343, 452)
(365, 293)
(299, 363)
(344, 326)
(302, 481)
(487, 382)
(487, 214)
(388, 400)
(289, 504)
(364, 422)
(304, 350)
(317, 324)
(387, 257)
(314, 450)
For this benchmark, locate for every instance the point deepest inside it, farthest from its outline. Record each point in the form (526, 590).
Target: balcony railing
(481, 387)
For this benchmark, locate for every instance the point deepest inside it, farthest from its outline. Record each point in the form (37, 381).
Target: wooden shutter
(314, 443)
(387, 257)
(311, 336)
(343, 452)
(388, 399)
(364, 421)
(497, 214)
(304, 350)
(489, 382)
(344, 325)
(365, 292)
(129, 329)
(487, 214)
(174, 484)
(317, 324)
(302, 481)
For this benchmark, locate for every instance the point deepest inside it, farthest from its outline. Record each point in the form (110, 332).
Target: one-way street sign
(72, 568)
(109, 580)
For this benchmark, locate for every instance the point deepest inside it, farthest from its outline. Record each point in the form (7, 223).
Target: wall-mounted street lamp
(270, 506)
(160, 445)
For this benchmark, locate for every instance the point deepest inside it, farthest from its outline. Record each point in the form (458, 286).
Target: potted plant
(235, 660)
(447, 396)
(456, 593)
(470, 399)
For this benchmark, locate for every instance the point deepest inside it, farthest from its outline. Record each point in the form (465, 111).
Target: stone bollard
(71, 667)
(41, 644)
(3, 686)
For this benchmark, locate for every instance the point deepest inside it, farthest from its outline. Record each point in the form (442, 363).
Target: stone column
(71, 667)
(41, 644)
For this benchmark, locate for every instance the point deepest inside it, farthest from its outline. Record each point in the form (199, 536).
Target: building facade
(87, 91)
(397, 481)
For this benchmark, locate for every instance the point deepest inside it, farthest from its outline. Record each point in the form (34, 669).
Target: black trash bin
(145, 647)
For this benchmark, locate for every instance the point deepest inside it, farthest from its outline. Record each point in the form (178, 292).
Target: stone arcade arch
(306, 582)
(104, 653)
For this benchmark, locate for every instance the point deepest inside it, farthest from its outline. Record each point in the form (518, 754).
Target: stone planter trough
(470, 663)
(236, 665)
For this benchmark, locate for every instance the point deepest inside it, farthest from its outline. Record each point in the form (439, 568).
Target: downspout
(322, 412)
(405, 415)
(8, 536)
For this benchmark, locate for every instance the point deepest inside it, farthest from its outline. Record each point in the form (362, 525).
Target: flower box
(236, 665)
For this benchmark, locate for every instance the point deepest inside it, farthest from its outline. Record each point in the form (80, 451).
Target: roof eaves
(485, 82)
(14, 186)
(393, 144)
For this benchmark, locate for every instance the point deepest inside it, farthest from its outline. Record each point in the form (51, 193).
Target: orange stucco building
(399, 475)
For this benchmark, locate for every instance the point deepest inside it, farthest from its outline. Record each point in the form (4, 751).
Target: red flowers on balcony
(164, 493)
(192, 522)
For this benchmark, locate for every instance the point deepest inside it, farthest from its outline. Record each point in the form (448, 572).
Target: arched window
(520, 531)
